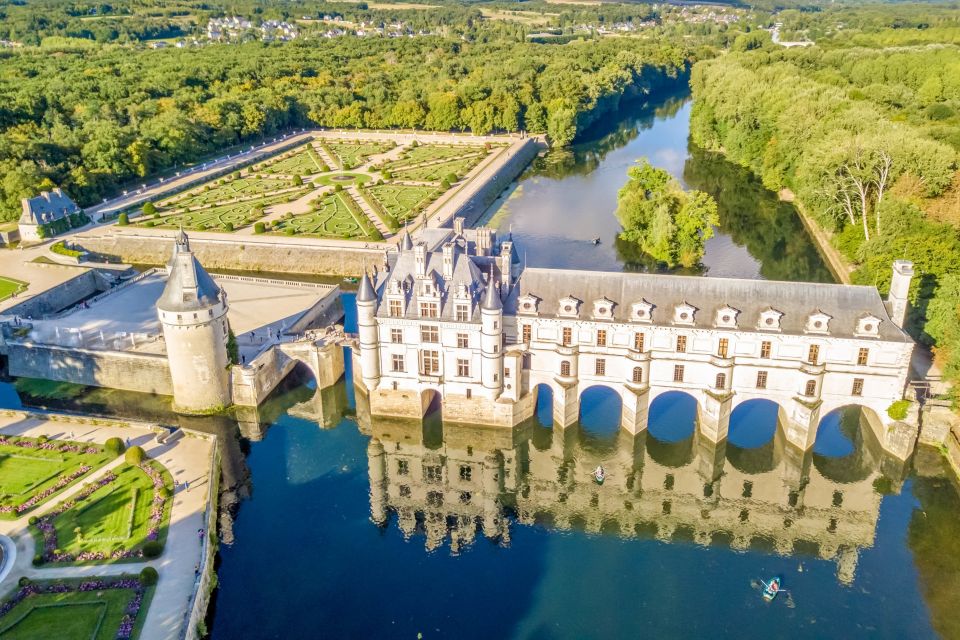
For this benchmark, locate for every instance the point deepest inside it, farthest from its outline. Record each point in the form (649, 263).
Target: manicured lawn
(438, 171)
(432, 152)
(401, 202)
(303, 161)
(105, 609)
(9, 286)
(239, 214)
(332, 218)
(112, 521)
(353, 154)
(246, 187)
(32, 471)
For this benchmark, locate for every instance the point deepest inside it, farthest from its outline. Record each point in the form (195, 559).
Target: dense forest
(867, 139)
(87, 120)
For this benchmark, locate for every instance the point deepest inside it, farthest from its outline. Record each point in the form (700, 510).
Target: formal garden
(270, 196)
(122, 516)
(10, 287)
(108, 608)
(33, 470)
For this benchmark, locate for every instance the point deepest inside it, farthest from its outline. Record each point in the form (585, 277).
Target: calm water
(338, 528)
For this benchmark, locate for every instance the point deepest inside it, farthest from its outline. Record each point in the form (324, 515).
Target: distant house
(42, 215)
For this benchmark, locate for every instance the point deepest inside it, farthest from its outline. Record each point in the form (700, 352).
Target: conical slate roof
(406, 244)
(189, 286)
(366, 292)
(491, 297)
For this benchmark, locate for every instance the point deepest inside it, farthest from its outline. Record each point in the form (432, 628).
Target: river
(335, 527)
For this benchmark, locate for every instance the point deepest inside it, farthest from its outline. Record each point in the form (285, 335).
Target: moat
(334, 527)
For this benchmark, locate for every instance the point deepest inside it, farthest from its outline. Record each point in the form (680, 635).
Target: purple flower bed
(132, 610)
(37, 498)
(49, 445)
(49, 531)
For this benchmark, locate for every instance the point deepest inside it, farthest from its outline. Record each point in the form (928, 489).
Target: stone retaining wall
(143, 372)
(65, 294)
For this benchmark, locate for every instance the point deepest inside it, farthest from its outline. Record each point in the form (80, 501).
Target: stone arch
(754, 447)
(601, 413)
(669, 414)
(846, 444)
(431, 400)
(543, 412)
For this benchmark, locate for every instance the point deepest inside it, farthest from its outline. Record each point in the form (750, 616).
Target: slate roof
(189, 287)
(846, 304)
(47, 207)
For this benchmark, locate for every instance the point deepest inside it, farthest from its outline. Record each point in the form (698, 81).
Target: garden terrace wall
(61, 296)
(242, 254)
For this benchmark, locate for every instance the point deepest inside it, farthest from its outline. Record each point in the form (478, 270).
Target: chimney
(506, 258)
(420, 259)
(449, 252)
(458, 225)
(484, 241)
(897, 299)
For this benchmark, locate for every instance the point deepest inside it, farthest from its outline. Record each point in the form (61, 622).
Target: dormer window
(603, 309)
(684, 314)
(727, 317)
(641, 311)
(769, 320)
(818, 322)
(528, 304)
(569, 307)
(868, 326)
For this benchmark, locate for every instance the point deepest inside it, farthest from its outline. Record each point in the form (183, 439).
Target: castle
(454, 319)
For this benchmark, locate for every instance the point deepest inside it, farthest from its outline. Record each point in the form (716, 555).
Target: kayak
(771, 590)
(599, 475)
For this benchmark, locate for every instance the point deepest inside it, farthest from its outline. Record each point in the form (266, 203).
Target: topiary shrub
(37, 560)
(228, 226)
(23, 581)
(297, 181)
(387, 175)
(114, 446)
(149, 576)
(445, 184)
(123, 220)
(152, 549)
(451, 178)
(338, 188)
(149, 209)
(134, 455)
(32, 520)
(290, 231)
(259, 227)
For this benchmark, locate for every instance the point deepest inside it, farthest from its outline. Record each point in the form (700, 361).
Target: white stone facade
(455, 316)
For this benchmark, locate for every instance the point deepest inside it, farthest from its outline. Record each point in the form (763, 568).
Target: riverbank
(838, 265)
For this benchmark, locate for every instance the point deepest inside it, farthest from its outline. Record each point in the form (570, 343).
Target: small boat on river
(771, 589)
(599, 475)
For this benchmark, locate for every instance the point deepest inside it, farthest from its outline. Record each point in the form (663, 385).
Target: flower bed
(45, 525)
(69, 593)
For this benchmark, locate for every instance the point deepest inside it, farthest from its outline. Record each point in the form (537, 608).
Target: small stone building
(45, 209)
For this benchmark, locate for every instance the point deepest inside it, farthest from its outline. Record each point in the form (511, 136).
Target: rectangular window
(567, 336)
(678, 373)
(526, 330)
(463, 341)
(397, 361)
(466, 472)
(857, 387)
(429, 334)
(463, 368)
(681, 344)
(601, 338)
(432, 472)
(764, 349)
(638, 342)
(396, 308)
(396, 335)
(430, 363)
(761, 379)
(813, 355)
(429, 310)
(723, 347)
(403, 467)
(462, 313)
(863, 356)
(601, 367)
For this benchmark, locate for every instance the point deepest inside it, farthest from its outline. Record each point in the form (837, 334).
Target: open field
(33, 471)
(9, 286)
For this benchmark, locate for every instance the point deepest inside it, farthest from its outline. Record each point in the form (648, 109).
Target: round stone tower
(193, 312)
(369, 333)
(491, 317)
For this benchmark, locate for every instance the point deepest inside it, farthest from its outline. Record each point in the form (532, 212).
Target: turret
(491, 315)
(369, 333)
(193, 314)
(898, 298)
(406, 244)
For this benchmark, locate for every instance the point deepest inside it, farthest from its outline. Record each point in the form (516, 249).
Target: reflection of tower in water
(771, 498)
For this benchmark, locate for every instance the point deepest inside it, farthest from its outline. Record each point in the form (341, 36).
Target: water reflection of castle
(451, 487)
